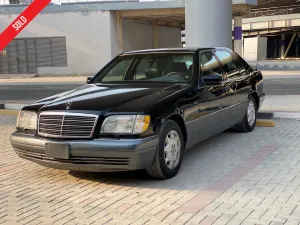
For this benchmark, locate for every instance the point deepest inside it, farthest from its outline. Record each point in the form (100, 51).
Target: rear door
(214, 96)
(239, 81)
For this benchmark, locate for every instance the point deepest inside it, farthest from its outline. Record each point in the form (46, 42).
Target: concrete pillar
(242, 47)
(208, 23)
(282, 44)
(119, 32)
(238, 35)
(155, 34)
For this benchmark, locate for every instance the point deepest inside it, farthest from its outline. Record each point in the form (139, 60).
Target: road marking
(265, 123)
(9, 112)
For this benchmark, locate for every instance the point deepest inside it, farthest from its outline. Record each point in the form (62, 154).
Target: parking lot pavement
(281, 103)
(233, 178)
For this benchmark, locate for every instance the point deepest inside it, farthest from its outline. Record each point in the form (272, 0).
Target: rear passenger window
(209, 64)
(230, 66)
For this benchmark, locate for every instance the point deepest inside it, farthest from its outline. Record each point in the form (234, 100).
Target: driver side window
(209, 65)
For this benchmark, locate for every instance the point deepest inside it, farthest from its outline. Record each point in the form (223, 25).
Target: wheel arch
(254, 94)
(180, 121)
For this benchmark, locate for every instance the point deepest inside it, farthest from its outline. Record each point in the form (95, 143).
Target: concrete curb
(12, 106)
(17, 76)
(265, 123)
(276, 66)
(279, 115)
(7, 112)
(279, 67)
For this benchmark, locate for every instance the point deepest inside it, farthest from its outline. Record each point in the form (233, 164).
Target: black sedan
(143, 110)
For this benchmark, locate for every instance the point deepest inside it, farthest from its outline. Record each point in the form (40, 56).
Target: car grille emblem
(68, 104)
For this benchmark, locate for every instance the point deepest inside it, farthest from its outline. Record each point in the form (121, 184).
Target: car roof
(157, 50)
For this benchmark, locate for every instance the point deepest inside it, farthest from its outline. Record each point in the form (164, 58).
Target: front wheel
(249, 121)
(169, 152)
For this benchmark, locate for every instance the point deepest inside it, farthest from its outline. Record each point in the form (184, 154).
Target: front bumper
(98, 155)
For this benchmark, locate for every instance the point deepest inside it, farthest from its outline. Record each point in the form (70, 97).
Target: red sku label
(22, 21)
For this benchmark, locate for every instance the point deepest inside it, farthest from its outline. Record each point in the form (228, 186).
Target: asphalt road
(30, 92)
(286, 86)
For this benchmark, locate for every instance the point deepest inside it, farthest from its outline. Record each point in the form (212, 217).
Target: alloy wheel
(251, 113)
(172, 149)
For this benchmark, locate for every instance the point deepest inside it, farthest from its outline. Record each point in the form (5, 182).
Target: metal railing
(273, 11)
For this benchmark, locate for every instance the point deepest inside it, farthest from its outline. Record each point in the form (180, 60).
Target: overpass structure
(272, 26)
(281, 34)
(81, 37)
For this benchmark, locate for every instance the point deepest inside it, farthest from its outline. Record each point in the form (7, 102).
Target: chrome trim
(56, 113)
(62, 123)
(217, 111)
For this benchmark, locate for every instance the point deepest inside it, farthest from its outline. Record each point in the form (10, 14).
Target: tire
(160, 168)
(248, 125)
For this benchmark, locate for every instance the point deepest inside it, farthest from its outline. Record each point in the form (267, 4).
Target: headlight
(131, 124)
(27, 120)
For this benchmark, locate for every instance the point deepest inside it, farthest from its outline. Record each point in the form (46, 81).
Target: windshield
(157, 67)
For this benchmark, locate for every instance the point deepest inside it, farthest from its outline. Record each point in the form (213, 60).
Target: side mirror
(88, 79)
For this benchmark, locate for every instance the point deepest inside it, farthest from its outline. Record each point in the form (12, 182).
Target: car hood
(114, 98)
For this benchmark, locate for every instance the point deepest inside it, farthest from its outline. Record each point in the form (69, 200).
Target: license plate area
(57, 150)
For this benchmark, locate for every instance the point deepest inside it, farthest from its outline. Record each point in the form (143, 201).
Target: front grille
(66, 125)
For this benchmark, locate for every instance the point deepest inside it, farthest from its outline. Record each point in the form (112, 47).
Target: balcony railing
(273, 11)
